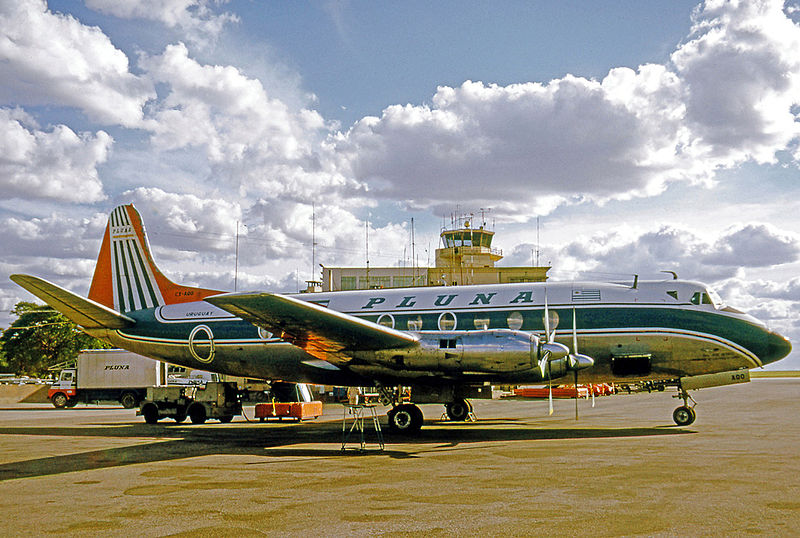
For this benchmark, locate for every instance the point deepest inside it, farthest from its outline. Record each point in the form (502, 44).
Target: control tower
(465, 257)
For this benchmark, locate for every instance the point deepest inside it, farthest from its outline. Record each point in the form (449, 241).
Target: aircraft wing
(85, 312)
(321, 332)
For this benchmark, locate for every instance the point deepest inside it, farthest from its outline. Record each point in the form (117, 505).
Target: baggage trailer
(107, 375)
(217, 400)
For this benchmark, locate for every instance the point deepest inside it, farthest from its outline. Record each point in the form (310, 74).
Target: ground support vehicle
(217, 400)
(107, 375)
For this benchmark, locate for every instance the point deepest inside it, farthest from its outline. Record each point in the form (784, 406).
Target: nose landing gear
(685, 414)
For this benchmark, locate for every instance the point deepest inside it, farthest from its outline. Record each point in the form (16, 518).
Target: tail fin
(126, 277)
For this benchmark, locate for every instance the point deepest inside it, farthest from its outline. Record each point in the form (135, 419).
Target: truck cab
(63, 391)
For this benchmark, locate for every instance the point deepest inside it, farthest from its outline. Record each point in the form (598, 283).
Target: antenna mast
(413, 253)
(313, 239)
(236, 266)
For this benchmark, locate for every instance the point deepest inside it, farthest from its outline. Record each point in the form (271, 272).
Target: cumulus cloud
(621, 252)
(727, 97)
(58, 164)
(253, 142)
(186, 221)
(196, 18)
(52, 59)
(56, 236)
(741, 72)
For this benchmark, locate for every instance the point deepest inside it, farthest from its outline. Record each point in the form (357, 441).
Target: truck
(107, 375)
(215, 399)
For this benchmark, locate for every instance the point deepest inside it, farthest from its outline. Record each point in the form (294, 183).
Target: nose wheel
(685, 414)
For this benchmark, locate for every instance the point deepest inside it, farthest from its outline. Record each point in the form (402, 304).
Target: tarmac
(623, 469)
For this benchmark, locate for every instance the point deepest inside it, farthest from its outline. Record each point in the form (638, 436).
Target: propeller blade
(546, 318)
(574, 333)
(550, 383)
(576, 394)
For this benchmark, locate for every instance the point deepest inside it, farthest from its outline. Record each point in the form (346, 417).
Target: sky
(642, 136)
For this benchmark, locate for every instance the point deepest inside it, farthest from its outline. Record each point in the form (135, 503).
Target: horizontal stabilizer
(318, 330)
(85, 312)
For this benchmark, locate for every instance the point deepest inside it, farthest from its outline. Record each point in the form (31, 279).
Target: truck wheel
(179, 418)
(226, 418)
(150, 413)
(59, 400)
(128, 400)
(72, 402)
(197, 414)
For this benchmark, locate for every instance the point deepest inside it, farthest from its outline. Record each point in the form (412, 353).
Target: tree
(42, 337)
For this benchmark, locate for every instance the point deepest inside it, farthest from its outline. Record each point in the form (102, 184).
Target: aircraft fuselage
(656, 330)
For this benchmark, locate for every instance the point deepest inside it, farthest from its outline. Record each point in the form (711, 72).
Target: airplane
(447, 344)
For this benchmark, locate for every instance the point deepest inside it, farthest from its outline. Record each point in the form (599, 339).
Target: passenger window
(387, 320)
(481, 322)
(415, 324)
(514, 321)
(447, 321)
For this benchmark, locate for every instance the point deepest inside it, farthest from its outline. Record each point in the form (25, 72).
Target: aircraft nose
(777, 348)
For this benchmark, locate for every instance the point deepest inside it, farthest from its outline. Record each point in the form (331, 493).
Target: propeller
(552, 351)
(577, 361)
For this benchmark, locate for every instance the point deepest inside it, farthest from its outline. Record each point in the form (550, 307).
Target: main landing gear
(685, 414)
(405, 418)
(459, 410)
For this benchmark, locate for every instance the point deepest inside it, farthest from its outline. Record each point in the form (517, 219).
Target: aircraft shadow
(180, 441)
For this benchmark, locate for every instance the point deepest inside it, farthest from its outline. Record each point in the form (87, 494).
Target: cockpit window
(707, 297)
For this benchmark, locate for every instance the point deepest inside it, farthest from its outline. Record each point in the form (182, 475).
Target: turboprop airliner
(448, 344)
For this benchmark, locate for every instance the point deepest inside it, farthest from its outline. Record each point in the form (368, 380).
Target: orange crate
(293, 410)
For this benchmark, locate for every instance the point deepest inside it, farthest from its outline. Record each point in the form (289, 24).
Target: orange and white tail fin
(126, 277)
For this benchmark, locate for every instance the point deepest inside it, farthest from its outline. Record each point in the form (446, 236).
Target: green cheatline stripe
(127, 277)
(146, 275)
(133, 277)
(118, 271)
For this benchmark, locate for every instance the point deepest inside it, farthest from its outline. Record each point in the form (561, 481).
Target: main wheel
(128, 400)
(59, 400)
(458, 410)
(405, 418)
(150, 413)
(684, 415)
(197, 414)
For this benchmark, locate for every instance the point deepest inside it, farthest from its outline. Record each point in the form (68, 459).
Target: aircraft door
(201, 343)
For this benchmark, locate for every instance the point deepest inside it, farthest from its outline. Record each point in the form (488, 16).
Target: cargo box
(290, 410)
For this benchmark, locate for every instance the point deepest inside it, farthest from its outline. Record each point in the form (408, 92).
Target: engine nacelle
(486, 351)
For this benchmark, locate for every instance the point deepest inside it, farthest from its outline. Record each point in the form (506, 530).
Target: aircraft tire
(405, 418)
(458, 410)
(684, 415)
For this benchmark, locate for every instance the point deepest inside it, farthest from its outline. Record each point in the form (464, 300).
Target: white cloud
(625, 252)
(741, 71)
(197, 18)
(58, 164)
(186, 222)
(728, 97)
(49, 58)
